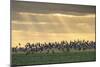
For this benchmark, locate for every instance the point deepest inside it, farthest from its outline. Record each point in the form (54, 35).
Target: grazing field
(51, 58)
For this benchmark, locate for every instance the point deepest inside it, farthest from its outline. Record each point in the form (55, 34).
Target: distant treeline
(79, 45)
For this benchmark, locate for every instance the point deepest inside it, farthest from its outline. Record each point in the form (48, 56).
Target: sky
(45, 22)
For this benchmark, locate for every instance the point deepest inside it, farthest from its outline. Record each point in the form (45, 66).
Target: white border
(4, 33)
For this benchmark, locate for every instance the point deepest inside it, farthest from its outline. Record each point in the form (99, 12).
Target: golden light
(41, 29)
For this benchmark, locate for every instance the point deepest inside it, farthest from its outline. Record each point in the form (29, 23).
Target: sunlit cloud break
(55, 14)
(30, 22)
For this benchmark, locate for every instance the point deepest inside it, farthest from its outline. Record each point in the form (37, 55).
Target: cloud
(57, 23)
(38, 7)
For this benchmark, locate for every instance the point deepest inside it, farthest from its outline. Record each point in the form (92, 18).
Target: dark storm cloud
(46, 8)
(44, 23)
(38, 7)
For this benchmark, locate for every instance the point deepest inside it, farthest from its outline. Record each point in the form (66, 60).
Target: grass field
(43, 58)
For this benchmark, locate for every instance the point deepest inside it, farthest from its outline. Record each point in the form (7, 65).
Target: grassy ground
(43, 58)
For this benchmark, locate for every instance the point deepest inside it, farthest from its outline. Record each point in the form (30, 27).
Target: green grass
(43, 58)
